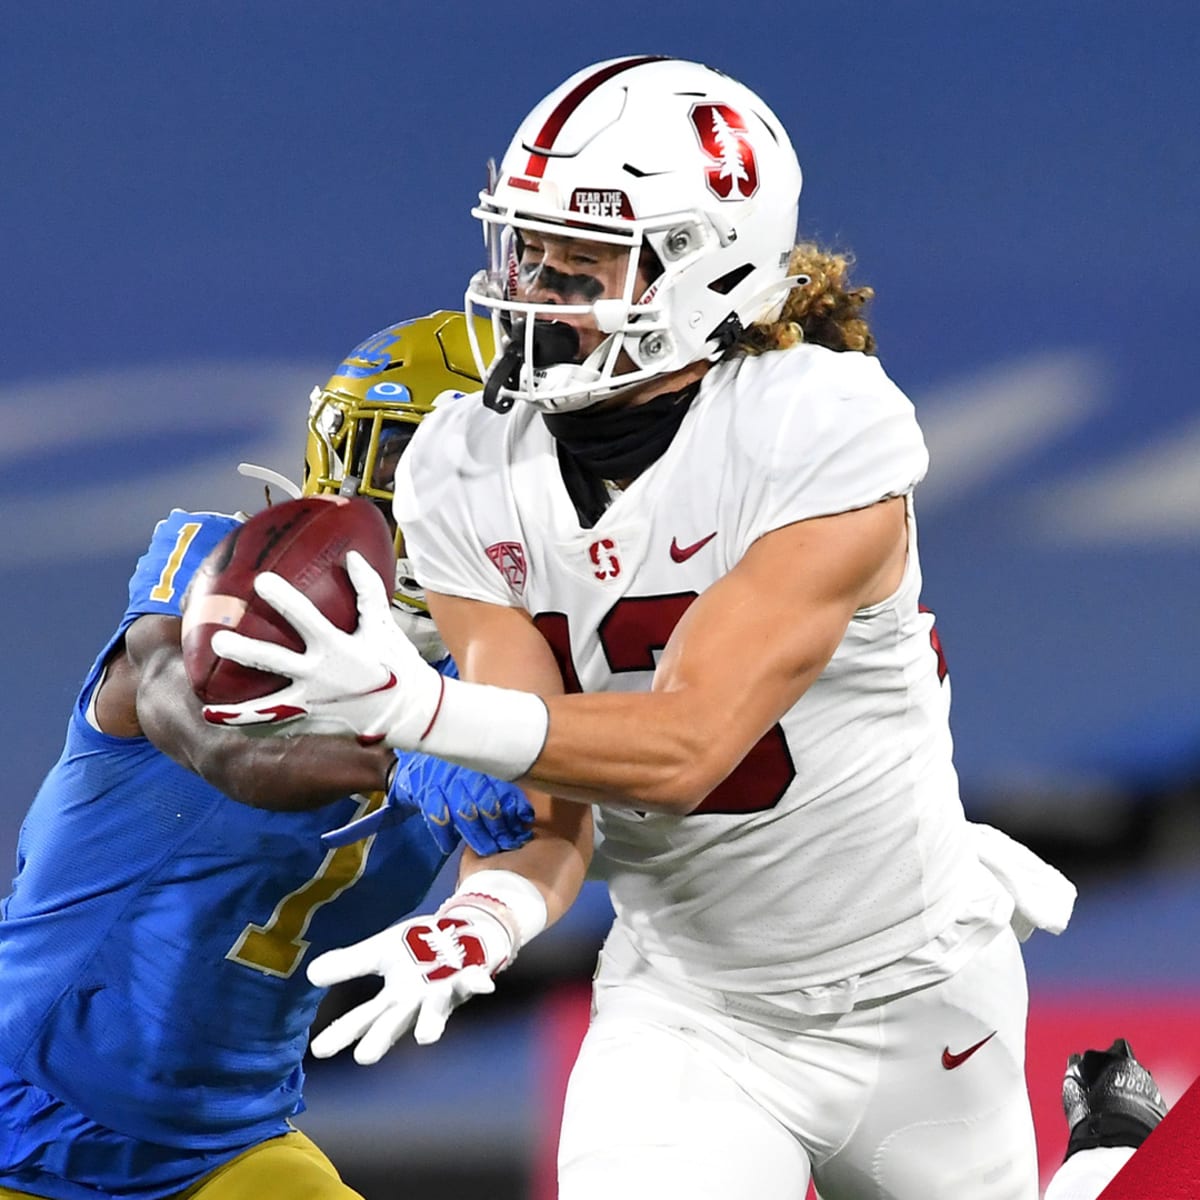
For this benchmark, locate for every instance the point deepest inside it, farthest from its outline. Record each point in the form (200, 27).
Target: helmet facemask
(361, 422)
(355, 448)
(358, 446)
(639, 339)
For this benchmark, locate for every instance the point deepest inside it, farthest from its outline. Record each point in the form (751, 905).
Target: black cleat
(1110, 1099)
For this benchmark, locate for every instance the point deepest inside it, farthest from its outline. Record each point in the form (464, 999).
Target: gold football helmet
(361, 421)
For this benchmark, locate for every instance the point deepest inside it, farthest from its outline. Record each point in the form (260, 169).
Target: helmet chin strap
(282, 482)
(554, 342)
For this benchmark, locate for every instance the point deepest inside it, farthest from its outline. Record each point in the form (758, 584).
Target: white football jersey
(833, 864)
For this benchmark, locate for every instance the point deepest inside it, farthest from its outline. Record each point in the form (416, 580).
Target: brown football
(305, 541)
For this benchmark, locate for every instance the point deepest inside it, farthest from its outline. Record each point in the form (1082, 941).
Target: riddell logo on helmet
(722, 135)
(599, 202)
(650, 292)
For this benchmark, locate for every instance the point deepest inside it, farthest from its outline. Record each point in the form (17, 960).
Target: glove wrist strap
(509, 898)
(496, 731)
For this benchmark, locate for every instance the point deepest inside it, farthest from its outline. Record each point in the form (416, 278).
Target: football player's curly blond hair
(826, 311)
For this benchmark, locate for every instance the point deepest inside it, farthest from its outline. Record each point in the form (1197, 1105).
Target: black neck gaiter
(617, 443)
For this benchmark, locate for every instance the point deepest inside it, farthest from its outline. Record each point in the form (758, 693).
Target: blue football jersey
(152, 951)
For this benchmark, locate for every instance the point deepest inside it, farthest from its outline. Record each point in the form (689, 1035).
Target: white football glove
(430, 965)
(374, 684)
(370, 683)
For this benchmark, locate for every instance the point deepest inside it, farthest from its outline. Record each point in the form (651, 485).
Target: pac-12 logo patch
(509, 559)
(723, 137)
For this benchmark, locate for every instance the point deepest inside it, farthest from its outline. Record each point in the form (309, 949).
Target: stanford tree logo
(722, 135)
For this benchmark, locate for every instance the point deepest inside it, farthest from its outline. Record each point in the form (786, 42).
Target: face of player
(393, 442)
(574, 271)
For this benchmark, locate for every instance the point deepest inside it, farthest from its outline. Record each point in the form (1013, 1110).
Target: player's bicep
(766, 630)
(495, 644)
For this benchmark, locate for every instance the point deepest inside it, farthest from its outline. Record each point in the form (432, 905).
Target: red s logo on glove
(440, 950)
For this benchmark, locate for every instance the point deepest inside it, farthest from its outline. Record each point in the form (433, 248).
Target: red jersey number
(631, 634)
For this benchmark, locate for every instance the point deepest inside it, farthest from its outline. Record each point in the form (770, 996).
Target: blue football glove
(488, 814)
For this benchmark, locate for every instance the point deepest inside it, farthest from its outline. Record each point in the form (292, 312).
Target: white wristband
(496, 731)
(507, 896)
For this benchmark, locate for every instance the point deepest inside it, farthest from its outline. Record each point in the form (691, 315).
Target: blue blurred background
(203, 206)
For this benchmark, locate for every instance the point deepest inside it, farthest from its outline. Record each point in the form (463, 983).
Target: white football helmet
(638, 152)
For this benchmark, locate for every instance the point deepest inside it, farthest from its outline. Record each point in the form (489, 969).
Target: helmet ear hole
(727, 282)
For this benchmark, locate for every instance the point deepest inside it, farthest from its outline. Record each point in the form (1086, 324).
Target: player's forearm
(555, 860)
(661, 751)
(654, 751)
(282, 774)
(289, 774)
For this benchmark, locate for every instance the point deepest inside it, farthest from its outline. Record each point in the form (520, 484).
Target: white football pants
(1087, 1173)
(673, 1098)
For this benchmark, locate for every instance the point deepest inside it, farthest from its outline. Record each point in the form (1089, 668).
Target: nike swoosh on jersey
(683, 553)
(950, 1061)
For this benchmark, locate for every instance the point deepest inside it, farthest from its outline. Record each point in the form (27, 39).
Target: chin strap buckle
(553, 342)
(727, 333)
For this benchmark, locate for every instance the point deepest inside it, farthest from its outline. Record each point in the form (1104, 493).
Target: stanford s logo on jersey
(722, 134)
(604, 559)
(509, 559)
